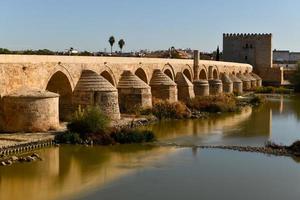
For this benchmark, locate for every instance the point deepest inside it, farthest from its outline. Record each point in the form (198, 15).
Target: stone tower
(254, 49)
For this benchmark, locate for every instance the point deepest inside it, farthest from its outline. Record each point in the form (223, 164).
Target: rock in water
(14, 158)
(30, 159)
(35, 155)
(9, 162)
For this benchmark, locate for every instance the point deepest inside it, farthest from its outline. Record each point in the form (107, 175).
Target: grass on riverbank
(170, 110)
(214, 104)
(273, 90)
(91, 126)
(223, 103)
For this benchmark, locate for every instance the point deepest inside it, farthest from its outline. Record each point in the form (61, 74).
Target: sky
(144, 24)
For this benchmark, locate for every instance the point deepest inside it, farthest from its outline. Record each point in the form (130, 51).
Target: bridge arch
(140, 72)
(59, 83)
(202, 74)
(187, 71)
(169, 71)
(108, 75)
(213, 72)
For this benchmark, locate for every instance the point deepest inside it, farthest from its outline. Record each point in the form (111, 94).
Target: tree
(295, 79)
(70, 51)
(111, 42)
(121, 44)
(218, 54)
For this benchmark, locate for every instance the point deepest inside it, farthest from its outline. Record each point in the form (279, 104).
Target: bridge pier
(162, 87)
(30, 111)
(133, 93)
(252, 80)
(93, 89)
(237, 84)
(185, 88)
(215, 87)
(227, 83)
(245, 80)
(201, 87)
(258, 79)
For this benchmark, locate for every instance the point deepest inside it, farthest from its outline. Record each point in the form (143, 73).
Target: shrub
(89, 120)
(128, 136)
(68, 138)
(257, 100)
(295, 147)
(167, 110)
(100, 139)
(295, 79)
(219, 103)
(273, 90)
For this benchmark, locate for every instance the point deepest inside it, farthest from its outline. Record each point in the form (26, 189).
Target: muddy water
(143, 172)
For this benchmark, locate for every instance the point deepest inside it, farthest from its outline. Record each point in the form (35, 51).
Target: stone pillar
(215, 87)
(162, 87)
(201, 88)
(133, 93)
(227, 83)
(258, 79)
(93, 89)
(30, 111)
(246, 82)
(252, 80)
(185, 88)
(196, 64)
(237, 84)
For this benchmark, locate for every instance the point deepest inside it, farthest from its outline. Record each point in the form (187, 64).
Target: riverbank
(23, 143)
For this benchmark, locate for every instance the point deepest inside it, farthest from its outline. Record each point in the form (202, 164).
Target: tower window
(247, 46)
(246, 57)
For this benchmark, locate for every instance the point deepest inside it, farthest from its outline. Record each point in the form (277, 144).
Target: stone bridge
(21, 76)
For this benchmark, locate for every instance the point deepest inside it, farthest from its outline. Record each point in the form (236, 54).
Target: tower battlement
(246, 35)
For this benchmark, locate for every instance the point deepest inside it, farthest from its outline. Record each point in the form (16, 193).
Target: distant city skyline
(153, 25)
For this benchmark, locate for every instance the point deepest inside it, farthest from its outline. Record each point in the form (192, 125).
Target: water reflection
(128, 171)
(249, 127)
(212, 174)
(69, 170)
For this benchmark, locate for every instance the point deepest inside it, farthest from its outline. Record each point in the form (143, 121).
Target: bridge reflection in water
(252, 126)
(69, 170)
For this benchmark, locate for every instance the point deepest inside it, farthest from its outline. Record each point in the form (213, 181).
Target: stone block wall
(131, 100)
(29, 114)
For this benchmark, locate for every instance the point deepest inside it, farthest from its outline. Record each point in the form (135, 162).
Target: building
(254, 49)
(285, 57)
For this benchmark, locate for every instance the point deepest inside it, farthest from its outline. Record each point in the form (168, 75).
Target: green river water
(143, 172)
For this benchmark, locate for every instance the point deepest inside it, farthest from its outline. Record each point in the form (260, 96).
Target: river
(146, 172)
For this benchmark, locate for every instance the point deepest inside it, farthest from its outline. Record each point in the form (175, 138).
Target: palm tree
(111, 42)
(70, 50)
(121, 44)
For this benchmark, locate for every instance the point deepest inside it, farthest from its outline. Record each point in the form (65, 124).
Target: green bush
(273, 90)
(257, 100)
(167, 110)
(68, 138)
(89, 120)
(295, 79)
(128, 136)
(213, 104)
